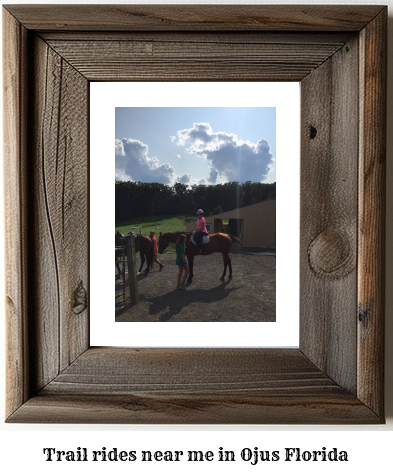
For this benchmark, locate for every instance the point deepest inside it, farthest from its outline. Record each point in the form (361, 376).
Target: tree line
(136, 199)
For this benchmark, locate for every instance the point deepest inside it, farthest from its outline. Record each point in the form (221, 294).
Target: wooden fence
(128, 254)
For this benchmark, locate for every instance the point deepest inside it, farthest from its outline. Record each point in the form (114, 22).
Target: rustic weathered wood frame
(338, 53)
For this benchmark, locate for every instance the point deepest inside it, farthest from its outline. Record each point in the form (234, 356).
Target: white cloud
(131, 159)
(231, 159)
(119, 177)
(186, 178)
(213, 176)
(119, 149)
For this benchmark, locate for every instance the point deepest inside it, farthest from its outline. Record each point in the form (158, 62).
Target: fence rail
(123, 255)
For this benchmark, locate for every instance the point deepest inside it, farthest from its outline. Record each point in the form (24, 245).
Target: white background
(104, 97)
(368, 447)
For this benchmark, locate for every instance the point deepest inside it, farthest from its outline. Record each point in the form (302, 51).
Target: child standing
(181, 262)
(155, 251)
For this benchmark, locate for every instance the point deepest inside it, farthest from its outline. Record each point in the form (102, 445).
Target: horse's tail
(235, 239)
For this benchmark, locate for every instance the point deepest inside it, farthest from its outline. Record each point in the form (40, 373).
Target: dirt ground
(250, 295)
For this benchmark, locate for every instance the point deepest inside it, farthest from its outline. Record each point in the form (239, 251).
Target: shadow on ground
(173, 302)
(249, 296)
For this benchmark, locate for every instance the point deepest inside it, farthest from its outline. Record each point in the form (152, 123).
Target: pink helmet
(199, 211)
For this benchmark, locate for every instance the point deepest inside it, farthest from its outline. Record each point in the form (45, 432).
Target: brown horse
(218, 243)
(118, 255)
(143, 245)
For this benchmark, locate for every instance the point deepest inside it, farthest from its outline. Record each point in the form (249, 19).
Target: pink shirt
(201, 225)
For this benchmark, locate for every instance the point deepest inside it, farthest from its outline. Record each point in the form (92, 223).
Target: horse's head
(162, 243)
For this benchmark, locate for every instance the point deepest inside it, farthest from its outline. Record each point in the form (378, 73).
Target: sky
(195, 145)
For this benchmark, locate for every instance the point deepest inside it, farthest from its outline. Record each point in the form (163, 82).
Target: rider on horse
(201, 230)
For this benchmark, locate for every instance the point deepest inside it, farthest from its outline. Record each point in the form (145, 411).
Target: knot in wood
(330, 254)
(80, 299)
(313, 132)
(363, 315)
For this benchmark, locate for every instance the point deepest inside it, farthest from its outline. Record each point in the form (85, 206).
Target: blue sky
(195, 145)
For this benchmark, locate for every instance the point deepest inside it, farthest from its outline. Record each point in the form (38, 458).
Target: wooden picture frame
(338, 54)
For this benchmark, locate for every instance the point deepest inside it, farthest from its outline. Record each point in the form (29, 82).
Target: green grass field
(158, 224)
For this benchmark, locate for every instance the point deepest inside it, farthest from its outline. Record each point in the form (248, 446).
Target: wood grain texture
(60, 181)
(201, 37)
(194, 409)
(186, 59)
(329, 168)
(15, 104)
(372, 173)
(193, 386)
(195, 17)
(335, 376)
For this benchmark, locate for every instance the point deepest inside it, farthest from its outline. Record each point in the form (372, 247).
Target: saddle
(135, 235)
(205, 240)
(121, 239)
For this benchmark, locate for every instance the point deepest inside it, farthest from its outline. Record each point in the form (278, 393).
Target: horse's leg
(225, 258)
(118, 269)
(150, 257)
(142, 261)
(230, 267)
(148, 263)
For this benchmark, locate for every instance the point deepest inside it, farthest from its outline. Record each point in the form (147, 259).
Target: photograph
(195, 214)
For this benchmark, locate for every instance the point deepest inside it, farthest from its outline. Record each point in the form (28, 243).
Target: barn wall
(259, 223)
